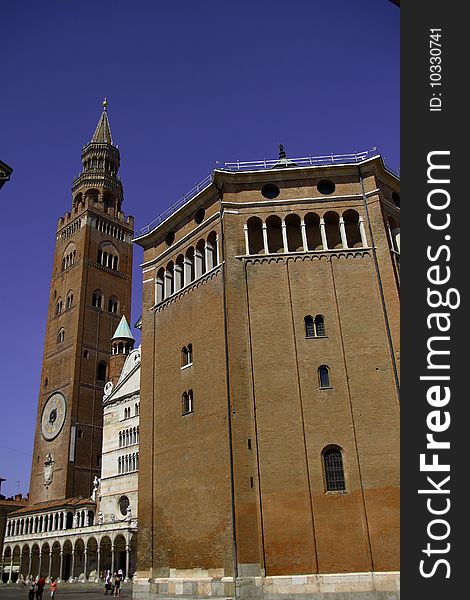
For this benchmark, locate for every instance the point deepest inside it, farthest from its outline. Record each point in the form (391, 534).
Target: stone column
(98, 560)
(40, 562)
(11, 567)
(284, 236)
(342, 232)
(362, 231)
(128, 551)
(50, 564)
(85, 556)
(112, 559)
(61, 564)
(265, 239)
(217, 251)
(20, 566)
(72, 573)
(303, 231)
(324, 241)
(247, 240)
(30, 565)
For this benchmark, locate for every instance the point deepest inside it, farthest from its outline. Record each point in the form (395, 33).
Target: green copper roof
(123, 332)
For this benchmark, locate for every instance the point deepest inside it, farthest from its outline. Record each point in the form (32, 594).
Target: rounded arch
(294, 234)
(333, 469)
(93, 194)
(159, 286)
(113, 305)
(97, 299)
(351, 226)
(312, 231)
(101, 371)
(69, 256)
(255, 235)
(211, 246)
(200, 258)
(108, 255)
(274, 230)
(324, 377)
(78, 199)
(333, 235)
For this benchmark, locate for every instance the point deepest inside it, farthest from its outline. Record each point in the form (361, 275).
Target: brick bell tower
(90, 292)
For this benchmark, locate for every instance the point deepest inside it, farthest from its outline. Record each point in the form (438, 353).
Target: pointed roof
(103, 130)
(123, 331)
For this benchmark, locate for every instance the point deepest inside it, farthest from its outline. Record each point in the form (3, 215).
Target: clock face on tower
(53, 416)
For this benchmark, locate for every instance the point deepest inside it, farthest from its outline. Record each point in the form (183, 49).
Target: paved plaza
(66, 591)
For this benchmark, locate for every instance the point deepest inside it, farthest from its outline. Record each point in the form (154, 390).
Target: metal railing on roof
(260, 165)
(306, 161)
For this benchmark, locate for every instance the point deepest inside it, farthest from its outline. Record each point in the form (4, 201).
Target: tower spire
(103, 130)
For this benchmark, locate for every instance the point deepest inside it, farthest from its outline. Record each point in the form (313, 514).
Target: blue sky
(188, 84)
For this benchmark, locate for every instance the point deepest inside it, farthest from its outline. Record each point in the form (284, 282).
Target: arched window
(61, 336)
(211, 251)
(324, 377)
(255, 236)
(351, 225)
(108, 256)
(333, 469)
(187, 402)
(179, 272)
(200, 258)
(275, 241)
(320, 326)
(314, 327)
(97, 299)
(293, 232)
(59, 306)
(113, 305)
(186, 355)
(312, 231)
(69, 301)
(101, 371)
(159, 286)
(333, 235)
(189, 272)
(309, 327)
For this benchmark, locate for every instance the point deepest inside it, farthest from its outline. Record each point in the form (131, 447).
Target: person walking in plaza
(117, 585)
(32, 589)
(107, 583)
(53, 587)
(41, 582)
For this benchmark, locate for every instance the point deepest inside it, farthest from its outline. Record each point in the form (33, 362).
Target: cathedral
(250, 447)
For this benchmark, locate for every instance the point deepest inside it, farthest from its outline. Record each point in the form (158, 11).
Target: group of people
(36, 588)
(112, 583)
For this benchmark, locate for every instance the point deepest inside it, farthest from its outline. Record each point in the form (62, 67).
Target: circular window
(170, 238)
(326, 187)
(396, 199)
(199, 216)
(270, 190)
(124, 505)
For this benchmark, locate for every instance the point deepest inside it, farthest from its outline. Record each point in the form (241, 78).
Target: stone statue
(129, 513)
(96, 485)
